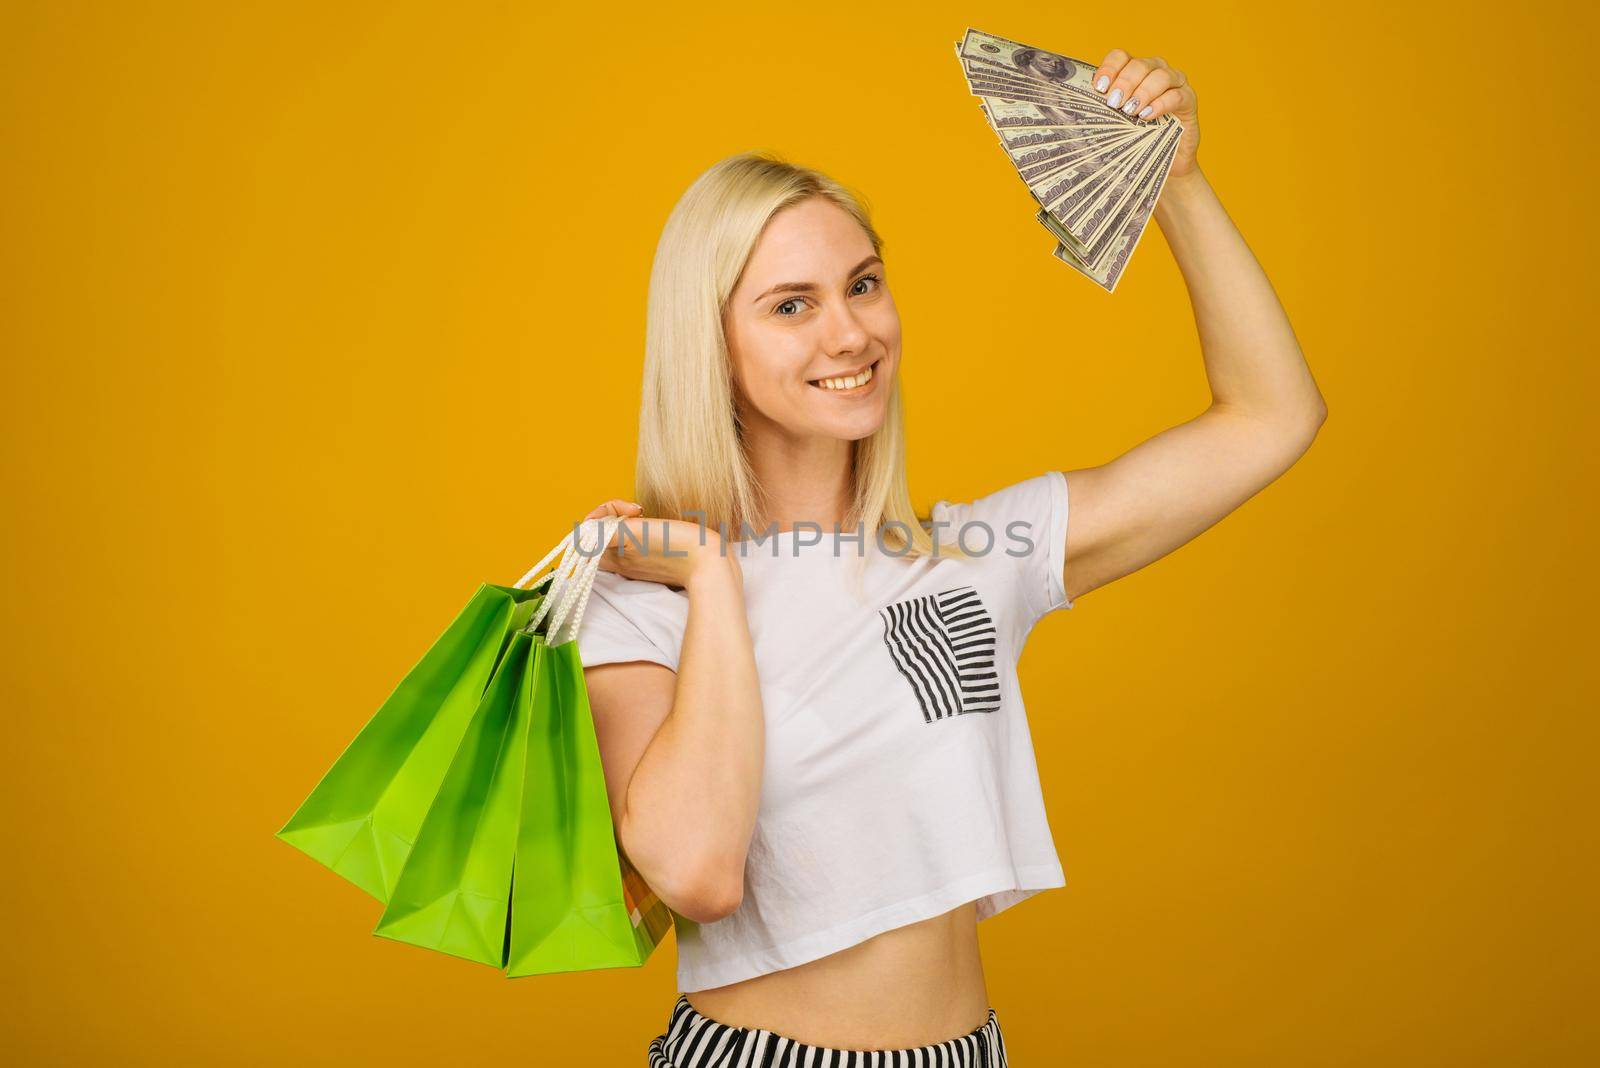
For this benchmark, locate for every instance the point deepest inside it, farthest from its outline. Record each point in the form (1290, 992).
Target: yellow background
(316, 316)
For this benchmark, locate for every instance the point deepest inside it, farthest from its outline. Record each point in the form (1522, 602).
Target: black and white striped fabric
(943, 643)
(696, 1041)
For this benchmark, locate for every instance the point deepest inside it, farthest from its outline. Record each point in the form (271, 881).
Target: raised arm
(1265, 407)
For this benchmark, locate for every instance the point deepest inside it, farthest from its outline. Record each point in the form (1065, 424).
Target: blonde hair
(691, 457)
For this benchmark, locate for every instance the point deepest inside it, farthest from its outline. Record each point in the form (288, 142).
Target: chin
(864, 426)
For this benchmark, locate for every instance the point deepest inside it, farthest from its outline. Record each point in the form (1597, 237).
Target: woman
(819, 759)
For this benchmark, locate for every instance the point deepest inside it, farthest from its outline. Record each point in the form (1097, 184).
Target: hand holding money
(1147, 87)
(1092, 151)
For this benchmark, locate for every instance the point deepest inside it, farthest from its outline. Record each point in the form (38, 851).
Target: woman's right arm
(683, 751)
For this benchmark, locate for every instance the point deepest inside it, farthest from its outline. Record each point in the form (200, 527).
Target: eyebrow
(812, 287)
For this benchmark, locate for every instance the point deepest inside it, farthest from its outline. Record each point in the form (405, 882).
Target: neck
(805, 479)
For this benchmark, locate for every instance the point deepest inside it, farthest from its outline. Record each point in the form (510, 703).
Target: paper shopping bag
(363, 816)
(454, 891)
(517, 864)
(576, 901)
(474, 802)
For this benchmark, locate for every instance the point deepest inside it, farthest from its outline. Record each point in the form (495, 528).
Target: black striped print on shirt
(943, 643)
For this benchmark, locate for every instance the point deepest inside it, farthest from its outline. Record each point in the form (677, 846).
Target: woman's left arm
(1265, 408)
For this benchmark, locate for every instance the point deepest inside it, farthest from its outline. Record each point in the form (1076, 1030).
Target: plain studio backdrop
(317, 316)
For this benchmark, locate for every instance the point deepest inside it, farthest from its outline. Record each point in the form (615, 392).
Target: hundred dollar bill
(1090, 105)
(1111, 211)
(997, 60)
(1015, 139)
(1061, 138)
(1094, 172)
(1069, 178)
(1039, 163)
(1093, 253)
(1016, 114)
(1036, 160)
(1114, 258)
(1089, 220)
(1077, 180)
(1035, 63)
(1063, 193)
(976, 72)
(1093, 114)
(1036, 95)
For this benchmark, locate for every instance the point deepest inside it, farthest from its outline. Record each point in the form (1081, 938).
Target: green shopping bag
(454, 892)
(516, 862)
(364, 814)
(576, 901)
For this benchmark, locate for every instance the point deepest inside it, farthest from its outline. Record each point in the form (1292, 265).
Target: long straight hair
(691, 454)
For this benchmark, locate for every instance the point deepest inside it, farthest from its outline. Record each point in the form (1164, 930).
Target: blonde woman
(805, 693)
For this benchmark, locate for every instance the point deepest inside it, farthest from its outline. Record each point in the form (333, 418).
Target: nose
(845, 338)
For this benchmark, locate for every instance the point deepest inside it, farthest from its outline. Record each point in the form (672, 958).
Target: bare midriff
(915, 985)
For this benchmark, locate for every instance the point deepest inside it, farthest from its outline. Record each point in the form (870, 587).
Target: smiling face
(811, 314)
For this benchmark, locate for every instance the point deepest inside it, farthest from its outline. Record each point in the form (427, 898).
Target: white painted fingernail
(1127, 109)
(1102, 83)
(1145, 112)
(1116, 97)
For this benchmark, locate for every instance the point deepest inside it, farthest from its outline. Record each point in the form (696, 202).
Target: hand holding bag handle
(572, 579)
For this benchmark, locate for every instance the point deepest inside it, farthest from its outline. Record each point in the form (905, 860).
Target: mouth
(848, 384)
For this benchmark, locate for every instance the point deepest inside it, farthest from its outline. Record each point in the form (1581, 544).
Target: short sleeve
(1028, 521)
(626, 619)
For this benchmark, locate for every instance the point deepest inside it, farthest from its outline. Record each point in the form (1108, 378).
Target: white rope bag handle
(573, 578)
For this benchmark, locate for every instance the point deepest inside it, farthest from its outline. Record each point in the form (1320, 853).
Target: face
(1052, 66)
(810, 316)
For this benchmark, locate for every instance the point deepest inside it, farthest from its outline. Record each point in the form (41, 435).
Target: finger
(1154, 84)
(1109, 68)
(1133, 72)
(1169, 101)
(615, 506)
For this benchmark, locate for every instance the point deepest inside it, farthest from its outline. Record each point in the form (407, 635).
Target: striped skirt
(696, 1041)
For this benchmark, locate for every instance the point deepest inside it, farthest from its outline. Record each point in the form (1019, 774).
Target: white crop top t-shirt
(899, 778)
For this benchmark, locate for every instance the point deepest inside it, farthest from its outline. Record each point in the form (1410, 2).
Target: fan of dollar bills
(1095, 172)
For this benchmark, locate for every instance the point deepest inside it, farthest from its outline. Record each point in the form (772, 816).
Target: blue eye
(778, 308)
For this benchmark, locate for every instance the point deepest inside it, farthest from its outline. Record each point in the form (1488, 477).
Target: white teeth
(846, 383)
